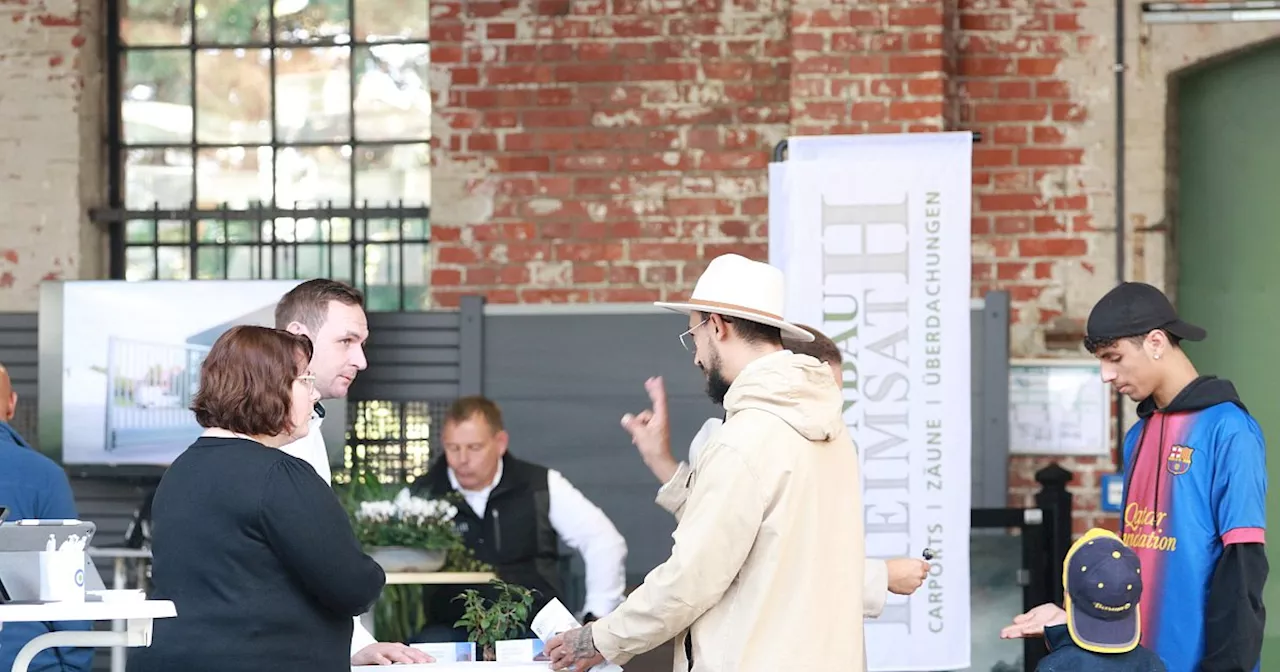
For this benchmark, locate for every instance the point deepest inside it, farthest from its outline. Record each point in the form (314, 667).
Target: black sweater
(260, 560)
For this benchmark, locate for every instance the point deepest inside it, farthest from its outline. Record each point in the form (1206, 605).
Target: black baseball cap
(1134, 309)
(1103, 580)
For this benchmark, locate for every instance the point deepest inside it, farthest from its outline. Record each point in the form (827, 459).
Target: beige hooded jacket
(768, 553)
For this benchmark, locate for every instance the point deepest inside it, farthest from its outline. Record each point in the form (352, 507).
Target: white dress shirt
(311, 449)
(584, 528)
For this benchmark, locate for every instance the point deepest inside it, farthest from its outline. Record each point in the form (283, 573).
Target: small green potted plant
(491, 621)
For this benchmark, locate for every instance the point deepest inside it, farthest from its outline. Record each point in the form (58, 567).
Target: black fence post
(1054, 500)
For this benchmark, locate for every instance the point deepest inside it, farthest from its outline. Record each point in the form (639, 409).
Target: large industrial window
(271, 139)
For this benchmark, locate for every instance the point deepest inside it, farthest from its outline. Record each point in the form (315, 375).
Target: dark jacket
(260, 560)
(515, 535)
(1065, 656)
(34, 486)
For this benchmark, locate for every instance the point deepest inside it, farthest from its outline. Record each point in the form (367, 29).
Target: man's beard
(717, 386)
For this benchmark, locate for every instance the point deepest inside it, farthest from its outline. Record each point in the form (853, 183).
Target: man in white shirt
(650, 433)
(331, 314)
(516, 515)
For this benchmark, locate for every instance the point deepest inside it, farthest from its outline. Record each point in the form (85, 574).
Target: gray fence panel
(990, 380)
(412, 357)
(19, 353)
(564, 379)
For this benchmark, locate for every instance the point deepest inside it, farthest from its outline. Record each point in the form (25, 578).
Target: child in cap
(1102, 579)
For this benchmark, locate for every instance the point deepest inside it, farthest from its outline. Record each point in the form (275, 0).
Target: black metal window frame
(346, 232)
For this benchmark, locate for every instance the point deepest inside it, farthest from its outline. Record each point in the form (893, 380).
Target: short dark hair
(467, 408)
(308, 303)
(820, 348)
(246, 381)
(1094, 345)
(751, 332)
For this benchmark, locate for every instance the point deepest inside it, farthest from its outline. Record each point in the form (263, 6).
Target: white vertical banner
(873, 233)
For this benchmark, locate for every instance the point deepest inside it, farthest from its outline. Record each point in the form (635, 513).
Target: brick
(1052, 247)
(1030, 156)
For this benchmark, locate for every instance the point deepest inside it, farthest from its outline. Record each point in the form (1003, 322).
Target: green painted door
(1228, 251)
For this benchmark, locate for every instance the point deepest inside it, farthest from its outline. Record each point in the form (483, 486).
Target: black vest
(515, 536)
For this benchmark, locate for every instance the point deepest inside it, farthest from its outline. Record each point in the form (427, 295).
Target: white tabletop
(459, 667)
(438, 578)
(87, 611)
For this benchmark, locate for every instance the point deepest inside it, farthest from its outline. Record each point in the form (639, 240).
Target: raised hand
(650, 433)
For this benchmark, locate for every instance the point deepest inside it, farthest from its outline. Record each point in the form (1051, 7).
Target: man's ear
(299, 328)
(501, 439)
(1157, 343)
(13, 406)
(718, 327)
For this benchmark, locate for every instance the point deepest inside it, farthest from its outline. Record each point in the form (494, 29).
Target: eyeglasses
(310, 381)
(690, 334)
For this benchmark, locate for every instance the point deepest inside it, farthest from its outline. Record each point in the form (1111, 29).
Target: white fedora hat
(735, 286)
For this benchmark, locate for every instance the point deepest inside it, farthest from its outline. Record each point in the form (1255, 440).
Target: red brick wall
(601, 150)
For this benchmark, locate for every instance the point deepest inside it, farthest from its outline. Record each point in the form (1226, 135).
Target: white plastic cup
(62, 576)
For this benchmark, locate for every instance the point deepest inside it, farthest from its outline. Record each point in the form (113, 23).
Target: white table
(459, 667)
(438, 578)
(137, 614)
(122, 558)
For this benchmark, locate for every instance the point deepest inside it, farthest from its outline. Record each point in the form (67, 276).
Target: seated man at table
(33, 486)
(517, 514)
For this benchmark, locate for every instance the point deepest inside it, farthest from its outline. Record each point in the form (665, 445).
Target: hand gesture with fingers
(650, 433)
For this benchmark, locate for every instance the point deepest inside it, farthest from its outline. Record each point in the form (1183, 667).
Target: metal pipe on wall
(1120, 68)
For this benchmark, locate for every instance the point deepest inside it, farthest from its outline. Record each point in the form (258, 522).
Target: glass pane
(415, 276)
(234, 176)
(312, 20)
(313, 261)
(139, 231)
(170, 231)
(171, 263)
(313, 95)
(157, 178)
(241, 232)
(381, 230)
(211, 263)
(210, 232)
(233, 96)
(155, 96)
(382, 276)
(232, 21)
(337, 230)
(378, 20)
(285, 257)
(393, 101)
(995, 558)
(299, 230)
(340, 263)
(139, 263)
(242, 263)
(155, 22)
(308, 177)
(390, 174)
(414, 229)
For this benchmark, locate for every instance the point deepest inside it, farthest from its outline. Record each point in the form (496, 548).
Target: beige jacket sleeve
(675, 492)
(875, 588)
(718, 523)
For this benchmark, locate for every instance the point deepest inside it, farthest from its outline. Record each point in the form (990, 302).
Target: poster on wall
(130, 356)
(873, 233)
